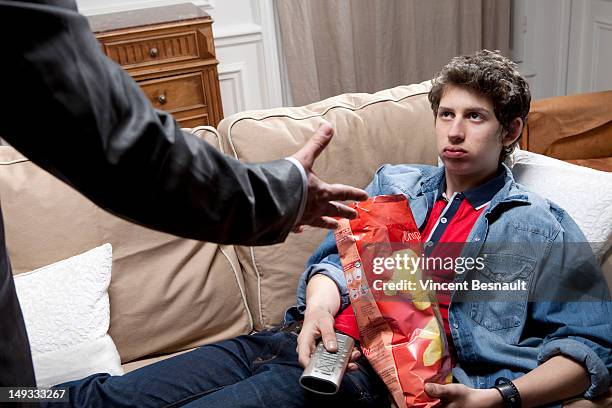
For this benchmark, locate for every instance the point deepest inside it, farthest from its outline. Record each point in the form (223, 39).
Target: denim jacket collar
(509, 193)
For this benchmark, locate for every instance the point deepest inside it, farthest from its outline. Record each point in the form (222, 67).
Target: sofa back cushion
(392, 126)
(166, 294)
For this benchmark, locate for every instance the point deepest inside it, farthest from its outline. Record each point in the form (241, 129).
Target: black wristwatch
(509, 392)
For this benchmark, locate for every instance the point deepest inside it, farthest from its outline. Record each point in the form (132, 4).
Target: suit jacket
(78, 115)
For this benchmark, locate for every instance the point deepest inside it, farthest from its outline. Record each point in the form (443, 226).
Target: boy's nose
(456, 133)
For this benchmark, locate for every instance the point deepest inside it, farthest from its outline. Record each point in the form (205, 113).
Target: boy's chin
(458, 167)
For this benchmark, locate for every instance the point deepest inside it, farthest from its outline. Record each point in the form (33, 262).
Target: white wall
(245, 40)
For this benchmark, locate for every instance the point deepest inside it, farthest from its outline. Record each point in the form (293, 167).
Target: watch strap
(510, 394)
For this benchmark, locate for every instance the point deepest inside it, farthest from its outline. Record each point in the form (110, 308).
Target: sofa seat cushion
(143, 362)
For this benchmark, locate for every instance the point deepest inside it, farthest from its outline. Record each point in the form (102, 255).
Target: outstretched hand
(322, 204)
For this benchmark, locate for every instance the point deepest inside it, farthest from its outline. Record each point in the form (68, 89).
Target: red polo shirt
(450, 222)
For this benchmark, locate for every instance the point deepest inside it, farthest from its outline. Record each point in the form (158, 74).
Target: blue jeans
(259, 370)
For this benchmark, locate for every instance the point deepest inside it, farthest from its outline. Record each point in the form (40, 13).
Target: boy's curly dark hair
(491, 74)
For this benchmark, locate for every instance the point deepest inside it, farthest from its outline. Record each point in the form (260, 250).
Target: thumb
(434, 390)
(313, 148)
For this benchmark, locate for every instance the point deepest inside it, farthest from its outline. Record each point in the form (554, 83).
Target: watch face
(501, 380)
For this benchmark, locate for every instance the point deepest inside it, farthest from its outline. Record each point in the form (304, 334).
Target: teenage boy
(550, 349)
(545, 351)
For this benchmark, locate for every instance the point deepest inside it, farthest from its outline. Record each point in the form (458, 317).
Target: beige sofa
(170, 294)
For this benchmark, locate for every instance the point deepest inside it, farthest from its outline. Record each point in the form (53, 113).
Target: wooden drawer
(170, 52)
(175, 92)
(138, 52)
(193, 119)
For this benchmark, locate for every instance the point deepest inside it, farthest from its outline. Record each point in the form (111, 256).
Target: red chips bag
(401, 330)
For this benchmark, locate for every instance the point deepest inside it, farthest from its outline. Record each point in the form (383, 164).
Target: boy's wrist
(314, 307)
(493, 398)
(321, 295)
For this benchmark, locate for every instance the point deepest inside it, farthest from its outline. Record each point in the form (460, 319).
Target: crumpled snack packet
(400, 327)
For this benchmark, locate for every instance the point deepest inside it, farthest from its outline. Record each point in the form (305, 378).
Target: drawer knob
(162, 99)
(153, 52)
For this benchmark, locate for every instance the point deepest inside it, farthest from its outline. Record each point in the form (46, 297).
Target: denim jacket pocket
(501, 309)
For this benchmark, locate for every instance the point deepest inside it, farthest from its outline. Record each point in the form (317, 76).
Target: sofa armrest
(571, 127)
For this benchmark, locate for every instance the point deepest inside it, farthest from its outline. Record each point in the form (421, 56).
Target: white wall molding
(564, 47)
(580, 11)
(92, 7)
(237, 34)
(232, 87)
(262, 33)
(599, 25)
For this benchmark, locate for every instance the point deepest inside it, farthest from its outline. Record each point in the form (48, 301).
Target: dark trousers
(259, 370)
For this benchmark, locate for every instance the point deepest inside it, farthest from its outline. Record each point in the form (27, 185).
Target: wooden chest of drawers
(170, 52)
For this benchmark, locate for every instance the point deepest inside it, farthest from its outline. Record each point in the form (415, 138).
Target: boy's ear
(516, 127)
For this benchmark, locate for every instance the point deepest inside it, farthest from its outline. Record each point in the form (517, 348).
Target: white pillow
(583, 192)
(66, 311)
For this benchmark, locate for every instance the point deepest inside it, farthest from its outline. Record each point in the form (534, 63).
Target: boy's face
(469, 136)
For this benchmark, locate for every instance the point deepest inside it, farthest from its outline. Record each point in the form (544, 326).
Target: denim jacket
(506, 337)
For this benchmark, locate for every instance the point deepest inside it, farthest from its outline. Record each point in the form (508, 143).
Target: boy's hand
(459, 396)
(319, 323)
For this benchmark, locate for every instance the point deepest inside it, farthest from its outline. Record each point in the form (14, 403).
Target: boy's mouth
(454, 152)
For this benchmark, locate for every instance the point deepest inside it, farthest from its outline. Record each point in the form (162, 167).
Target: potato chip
(433, 352)
(422, 305)
(431, 330)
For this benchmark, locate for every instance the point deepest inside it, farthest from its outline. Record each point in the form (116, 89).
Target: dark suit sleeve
(78, 115)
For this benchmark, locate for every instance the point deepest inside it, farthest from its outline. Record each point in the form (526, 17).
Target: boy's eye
(445, 114)
(475, 115)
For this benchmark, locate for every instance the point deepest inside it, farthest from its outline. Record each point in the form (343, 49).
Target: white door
(590, 46)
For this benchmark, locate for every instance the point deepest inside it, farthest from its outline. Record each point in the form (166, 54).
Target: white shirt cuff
(302, 207)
